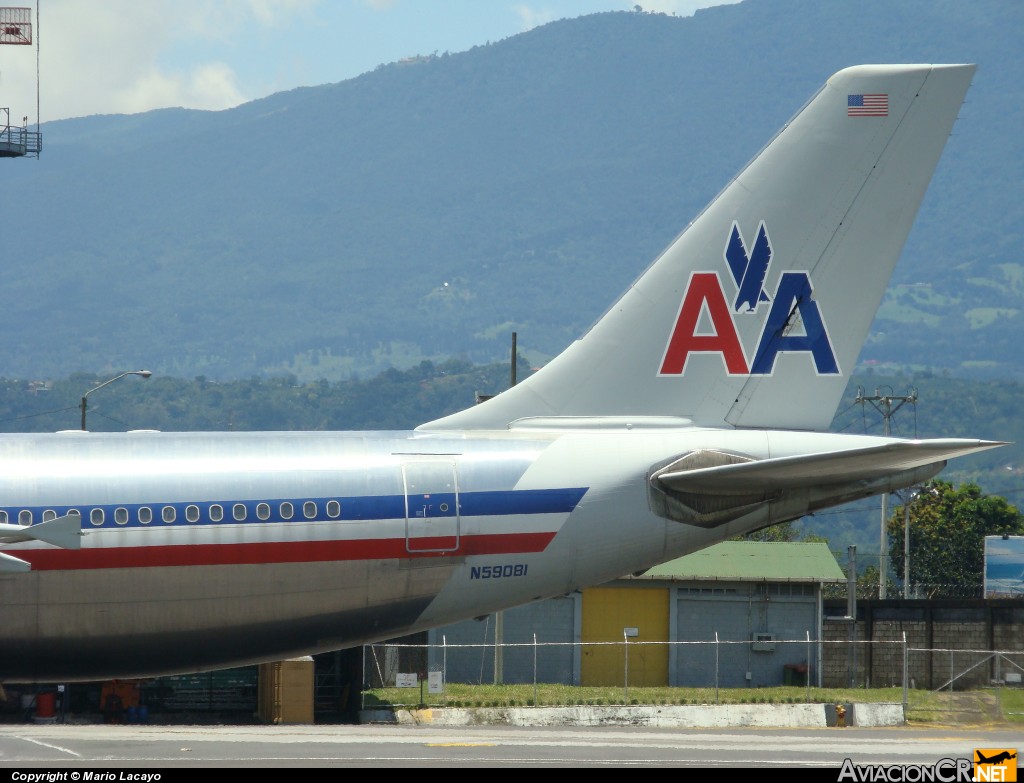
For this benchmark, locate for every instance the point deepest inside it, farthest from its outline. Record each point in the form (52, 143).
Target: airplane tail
(755, 315)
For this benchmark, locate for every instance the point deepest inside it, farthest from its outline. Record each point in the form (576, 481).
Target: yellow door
(607, 613)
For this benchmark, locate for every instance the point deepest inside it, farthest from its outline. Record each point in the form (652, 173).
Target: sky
(126, 56)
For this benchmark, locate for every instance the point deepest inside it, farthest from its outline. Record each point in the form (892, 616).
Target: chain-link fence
(701, 672)
(868, 591)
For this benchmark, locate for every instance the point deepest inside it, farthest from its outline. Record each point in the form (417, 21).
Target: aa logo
(995, 764)
(707, 320)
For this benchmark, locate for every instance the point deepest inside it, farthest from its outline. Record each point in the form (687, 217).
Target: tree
(781, 532)
(948, 526)
(867, 583)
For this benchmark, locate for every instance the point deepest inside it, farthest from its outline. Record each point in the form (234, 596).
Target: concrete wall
(947, 641)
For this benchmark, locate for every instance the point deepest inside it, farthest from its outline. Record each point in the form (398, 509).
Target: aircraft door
(431, 505)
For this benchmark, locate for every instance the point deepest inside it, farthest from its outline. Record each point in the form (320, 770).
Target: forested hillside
(403, 399)
(430, 207)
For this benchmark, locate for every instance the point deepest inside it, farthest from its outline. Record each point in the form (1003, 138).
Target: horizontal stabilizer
(64, 532)
(864, 463)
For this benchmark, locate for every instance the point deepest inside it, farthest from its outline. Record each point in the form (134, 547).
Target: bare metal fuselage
(322, 541)
(203, 551)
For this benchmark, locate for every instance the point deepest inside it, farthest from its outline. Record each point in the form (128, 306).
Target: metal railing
(16, 141)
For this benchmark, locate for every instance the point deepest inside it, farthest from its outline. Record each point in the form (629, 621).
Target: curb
(686, 716)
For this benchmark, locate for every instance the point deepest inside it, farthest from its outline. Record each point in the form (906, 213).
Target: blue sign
(1004, 566)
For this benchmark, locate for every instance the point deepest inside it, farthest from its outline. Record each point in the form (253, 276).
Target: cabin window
(192, 513)
(287, 510)
(238, 511)
(49, 514)
(3, 517)
(333, 509)
(309, 509)
(216, 512)
(145, 515)
(168, 514)
(121, 515)
(25, 517)
(96, 516)
(263, 511)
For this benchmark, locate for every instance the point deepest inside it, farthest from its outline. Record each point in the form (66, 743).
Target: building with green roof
(740, 613)
(748, 561)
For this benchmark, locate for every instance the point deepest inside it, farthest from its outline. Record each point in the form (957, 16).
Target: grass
(967, 707)
(1011, 704)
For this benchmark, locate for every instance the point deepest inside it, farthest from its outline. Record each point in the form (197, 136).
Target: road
(76, 748)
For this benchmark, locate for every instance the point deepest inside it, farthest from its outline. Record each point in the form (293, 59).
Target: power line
(41, 413)
(887, 405)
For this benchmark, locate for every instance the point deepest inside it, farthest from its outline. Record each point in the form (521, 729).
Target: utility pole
(910, 494)
(851, 614)
(512, 373)
(499, 616)
(887, 405)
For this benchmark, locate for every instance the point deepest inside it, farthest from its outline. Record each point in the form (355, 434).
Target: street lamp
(143, 373)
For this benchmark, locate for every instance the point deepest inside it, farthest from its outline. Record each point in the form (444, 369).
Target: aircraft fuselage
(247, 547)
(259, 546)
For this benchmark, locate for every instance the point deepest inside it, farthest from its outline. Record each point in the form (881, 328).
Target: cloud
(208, 86)
(96, 57)
(122, 56)
(530, 17)
(126, 56)
(680, 7)
(272, 13)
(225, 19)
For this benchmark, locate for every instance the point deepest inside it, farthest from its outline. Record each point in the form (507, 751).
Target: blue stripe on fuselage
(360, 508)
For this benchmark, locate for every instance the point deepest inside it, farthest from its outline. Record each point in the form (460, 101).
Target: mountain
(430, 207)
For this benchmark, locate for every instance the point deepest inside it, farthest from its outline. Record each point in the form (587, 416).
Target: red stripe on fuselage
(279, 552)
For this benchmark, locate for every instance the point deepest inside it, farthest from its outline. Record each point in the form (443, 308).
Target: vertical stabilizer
(755, 315)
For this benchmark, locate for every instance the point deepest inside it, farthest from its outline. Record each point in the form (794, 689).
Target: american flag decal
(867, 105)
